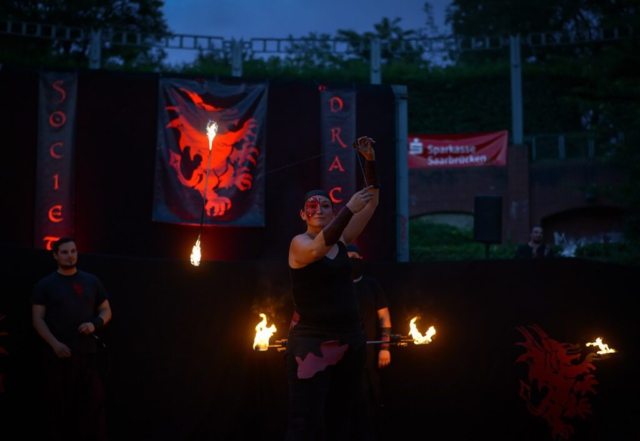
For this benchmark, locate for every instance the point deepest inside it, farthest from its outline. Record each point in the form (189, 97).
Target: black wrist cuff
(371, 173)
(333, 231)
(98, 323)
(385, 335)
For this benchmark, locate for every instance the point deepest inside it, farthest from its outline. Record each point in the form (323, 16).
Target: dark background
(182, 365)
(180, 359)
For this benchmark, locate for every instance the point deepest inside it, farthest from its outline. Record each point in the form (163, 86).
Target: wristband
(333, 231)
(371, 173)
(385, 335)
(98, 323)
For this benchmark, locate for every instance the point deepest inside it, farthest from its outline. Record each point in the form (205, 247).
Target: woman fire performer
(326, 347)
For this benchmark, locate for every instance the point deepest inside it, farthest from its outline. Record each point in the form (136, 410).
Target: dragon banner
(231, 167)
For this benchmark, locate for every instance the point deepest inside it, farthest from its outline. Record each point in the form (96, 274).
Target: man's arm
(384, 322)
(38, 313)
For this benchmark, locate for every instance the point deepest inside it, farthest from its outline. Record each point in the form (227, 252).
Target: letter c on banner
(52, 150)
(333, 192)
(336, 104)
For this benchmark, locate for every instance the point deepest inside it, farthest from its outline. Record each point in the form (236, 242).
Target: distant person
(376, 321)
(534, 249)
(68, 307)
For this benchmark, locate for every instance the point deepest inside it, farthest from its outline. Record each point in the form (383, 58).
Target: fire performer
(326, 347)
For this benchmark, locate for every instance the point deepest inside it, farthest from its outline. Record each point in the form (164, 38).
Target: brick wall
(555, 193)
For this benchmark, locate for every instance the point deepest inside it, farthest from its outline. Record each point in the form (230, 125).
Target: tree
(395, 42)
(559, 21)
(108, 16)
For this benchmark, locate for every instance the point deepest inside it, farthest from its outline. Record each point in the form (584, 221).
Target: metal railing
(552, 146)
(283, 46)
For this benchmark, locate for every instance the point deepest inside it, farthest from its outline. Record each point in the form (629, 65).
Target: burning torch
(196, 255)
(264, 333)
(604, 351)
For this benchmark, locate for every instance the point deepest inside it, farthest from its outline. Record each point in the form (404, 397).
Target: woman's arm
(361, 219)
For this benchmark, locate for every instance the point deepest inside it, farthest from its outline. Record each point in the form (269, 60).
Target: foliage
(132, 16)
(394, 44)
(625, 253)
(610, 101)
(430, 241)
(558, 20)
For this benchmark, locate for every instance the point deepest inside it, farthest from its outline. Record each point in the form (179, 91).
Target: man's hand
(86, 328)
(61, 350)
(384, 358)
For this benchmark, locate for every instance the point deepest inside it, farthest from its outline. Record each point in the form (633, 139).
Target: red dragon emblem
(227, 165)
(558, 380)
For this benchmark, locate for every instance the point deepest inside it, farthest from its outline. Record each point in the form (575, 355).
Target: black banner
(55, 168)
(203, 182)
(338, 131)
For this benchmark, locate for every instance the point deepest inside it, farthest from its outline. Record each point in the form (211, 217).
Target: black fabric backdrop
(180, 343)
(182, 365)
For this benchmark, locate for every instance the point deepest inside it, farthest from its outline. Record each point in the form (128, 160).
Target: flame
(212, 130)
(418, 338)
(263, 334)
(604, 348)
(195, 254)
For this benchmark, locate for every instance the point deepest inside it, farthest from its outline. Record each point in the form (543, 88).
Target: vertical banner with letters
(55, 166)
(338, 132)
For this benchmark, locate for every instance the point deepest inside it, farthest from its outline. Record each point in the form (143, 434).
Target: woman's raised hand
(360, 199)
(365, 147)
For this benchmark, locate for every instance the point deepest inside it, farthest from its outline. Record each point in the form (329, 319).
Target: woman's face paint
(315, 204)
(311, 206)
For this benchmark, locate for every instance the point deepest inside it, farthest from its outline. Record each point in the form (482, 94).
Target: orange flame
(418, 338)
(263, 334)
(196, 255)
(604, 348)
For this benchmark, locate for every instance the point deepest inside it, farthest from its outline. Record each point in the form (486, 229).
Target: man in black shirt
(68, 307)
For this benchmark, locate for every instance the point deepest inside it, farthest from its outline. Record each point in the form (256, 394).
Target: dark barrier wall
(181, 364)
(116, 148)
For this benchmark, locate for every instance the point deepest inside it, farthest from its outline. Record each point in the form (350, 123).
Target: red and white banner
(461, 150)
(55, 162)
(338, 131)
